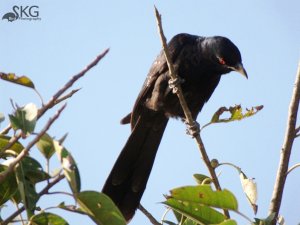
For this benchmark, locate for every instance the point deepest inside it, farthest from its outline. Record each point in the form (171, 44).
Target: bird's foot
(173, 84)
(194, 129)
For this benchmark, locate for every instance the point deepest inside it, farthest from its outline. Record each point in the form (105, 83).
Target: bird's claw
(173, 84)
(193, 130)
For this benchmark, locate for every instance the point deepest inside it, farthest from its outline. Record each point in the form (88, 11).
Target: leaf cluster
(22, 176)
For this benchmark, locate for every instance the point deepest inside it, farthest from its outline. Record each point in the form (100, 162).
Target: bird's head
(225, 55)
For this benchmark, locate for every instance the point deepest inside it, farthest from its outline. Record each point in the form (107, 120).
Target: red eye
(221, 61)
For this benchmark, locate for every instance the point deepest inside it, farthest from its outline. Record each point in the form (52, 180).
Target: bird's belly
(172, 107)
(196, 95)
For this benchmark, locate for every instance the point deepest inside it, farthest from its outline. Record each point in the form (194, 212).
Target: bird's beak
(240, 69)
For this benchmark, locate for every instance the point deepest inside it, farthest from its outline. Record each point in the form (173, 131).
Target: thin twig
(286, 149)
(165, 214)
(297, 132)
(62, 90)
(60, 192)
(292, 168)
(69, 95)
(53, 101)
(231, 164)
(149, 215)
(71, 82)
(25, 151)
(40, 194)
(184, 105)
(243, 215)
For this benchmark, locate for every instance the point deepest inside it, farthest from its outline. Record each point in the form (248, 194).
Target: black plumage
(199, 62)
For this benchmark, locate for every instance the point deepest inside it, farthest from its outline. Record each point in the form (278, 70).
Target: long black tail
(127, 180)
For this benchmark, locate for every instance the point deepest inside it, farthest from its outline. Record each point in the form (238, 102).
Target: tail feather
(128, 178)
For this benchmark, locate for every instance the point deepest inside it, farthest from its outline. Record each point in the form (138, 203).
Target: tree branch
(187, 113)
(70, 83)
(55, 98)
(286, 149)
(69, 95)
(25, 151)
(297, 132)
(149, 215)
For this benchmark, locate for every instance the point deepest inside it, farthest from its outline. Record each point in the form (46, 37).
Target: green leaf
(24, 118)
(45, 145)
(203, 194)
(8, 187)
(63, 138)
(189, 222)
(28, 173)
(16, 147)
(202, 179)
(199, 213)
(31, 173)
(16, 198)
(33, 170)
(267, 221)
(236, 113)
(69, 166)
(179, 217)
(228, 222)
(23, 80)
(47, 219)
(100, 208)
(26, 189)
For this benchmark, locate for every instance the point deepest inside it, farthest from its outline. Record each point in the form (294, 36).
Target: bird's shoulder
(175, 47)
(159, 67)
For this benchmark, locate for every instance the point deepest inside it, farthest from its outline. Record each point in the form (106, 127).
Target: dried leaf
(23, 80)
(250, 189)
(236, 113)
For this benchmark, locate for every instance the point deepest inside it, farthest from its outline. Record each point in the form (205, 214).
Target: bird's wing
(158, 68)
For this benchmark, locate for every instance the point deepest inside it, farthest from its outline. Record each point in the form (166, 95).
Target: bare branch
(172, 73)
(184, 105)
(40, 194)
(297, 132)
(69, 95)
(25, 151)
(149, 215)
(286, 149)
(297, 129)
(57, 95)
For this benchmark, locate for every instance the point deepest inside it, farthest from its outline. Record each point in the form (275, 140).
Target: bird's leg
(194, 129)
(173, 83)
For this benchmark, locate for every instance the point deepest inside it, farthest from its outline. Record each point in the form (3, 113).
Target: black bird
(199, 62)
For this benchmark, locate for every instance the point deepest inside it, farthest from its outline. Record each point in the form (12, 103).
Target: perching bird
(199, 62)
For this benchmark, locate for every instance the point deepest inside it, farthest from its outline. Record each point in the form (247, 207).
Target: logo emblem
(10, 16)
(21, 12)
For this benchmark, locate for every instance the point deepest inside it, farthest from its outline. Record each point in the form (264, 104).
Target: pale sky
(71, 33)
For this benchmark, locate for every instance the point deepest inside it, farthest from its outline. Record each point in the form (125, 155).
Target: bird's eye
(221, 61)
